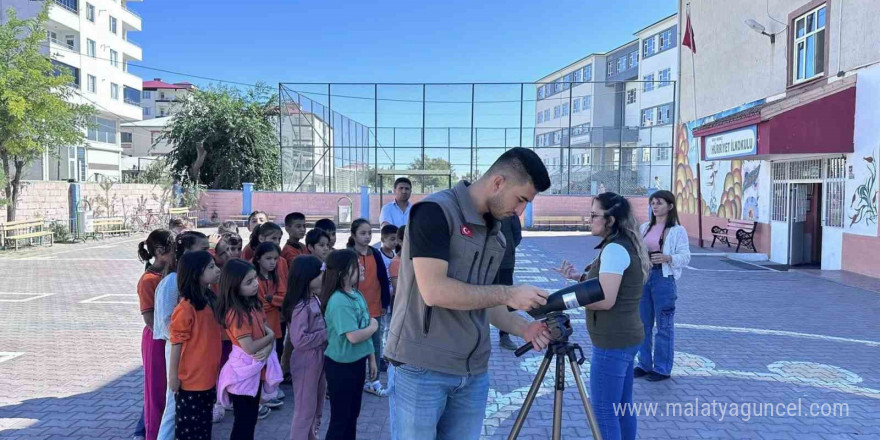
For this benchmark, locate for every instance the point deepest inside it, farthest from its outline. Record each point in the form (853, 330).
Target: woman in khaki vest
(615, 327)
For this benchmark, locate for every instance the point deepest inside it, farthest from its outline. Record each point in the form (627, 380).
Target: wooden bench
(576, 221)
(243, 219)
(24, 230)
(109, 226)
(185, 213)
(312, 218)
(743, 231)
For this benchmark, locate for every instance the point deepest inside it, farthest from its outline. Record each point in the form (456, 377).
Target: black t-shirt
(429, 231)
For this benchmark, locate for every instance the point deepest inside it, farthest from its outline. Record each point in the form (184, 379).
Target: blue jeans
(611, 386)
(429, 405)
(658, 305)
(378, 339)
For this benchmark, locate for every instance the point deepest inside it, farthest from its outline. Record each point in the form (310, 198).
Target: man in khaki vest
(438, 341)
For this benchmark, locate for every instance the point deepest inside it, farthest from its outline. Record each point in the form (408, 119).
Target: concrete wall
(49, 200)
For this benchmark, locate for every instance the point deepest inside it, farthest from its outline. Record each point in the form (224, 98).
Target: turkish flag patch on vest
(466, 231)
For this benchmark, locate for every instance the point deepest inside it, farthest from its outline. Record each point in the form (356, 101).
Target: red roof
(157, 83)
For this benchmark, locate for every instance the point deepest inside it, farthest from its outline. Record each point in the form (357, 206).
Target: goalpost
(397, 173)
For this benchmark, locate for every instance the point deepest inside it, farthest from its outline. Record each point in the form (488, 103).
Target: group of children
(226, 322)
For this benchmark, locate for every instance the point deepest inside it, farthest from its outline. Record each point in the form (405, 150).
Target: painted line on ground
(766, 332)
(98, 299)
(9, 355)
(733, 270)
(32, 295)
(78, 248)
(74, 259)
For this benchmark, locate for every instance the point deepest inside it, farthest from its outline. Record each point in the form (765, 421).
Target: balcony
(132, 50)
(130, 20)
(69, 5)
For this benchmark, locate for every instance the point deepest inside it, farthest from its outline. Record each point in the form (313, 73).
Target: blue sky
(384, 41)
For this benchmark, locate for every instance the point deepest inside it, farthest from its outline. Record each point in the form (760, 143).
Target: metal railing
(69, 46)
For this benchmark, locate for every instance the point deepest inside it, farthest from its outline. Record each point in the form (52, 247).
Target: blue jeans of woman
(611, 388)
(658, 305)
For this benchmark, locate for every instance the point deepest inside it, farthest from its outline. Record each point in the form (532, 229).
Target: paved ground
(745, 335)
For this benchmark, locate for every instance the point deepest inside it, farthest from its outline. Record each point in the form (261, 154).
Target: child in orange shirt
(295, 225)
(195, 353)
(373, 285)
(272, 278)
(241, 310)
(255, 220)
(158, 252)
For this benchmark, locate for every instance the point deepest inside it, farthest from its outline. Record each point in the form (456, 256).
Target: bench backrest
(22, 224)
(745, 225)
(176, 211)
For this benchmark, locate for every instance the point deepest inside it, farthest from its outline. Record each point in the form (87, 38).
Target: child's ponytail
(160, 241)
(143, 254)
(350, 242)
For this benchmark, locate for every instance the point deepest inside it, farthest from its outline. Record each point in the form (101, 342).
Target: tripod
(560, 329)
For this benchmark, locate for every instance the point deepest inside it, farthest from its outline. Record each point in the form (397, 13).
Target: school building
(778, 107)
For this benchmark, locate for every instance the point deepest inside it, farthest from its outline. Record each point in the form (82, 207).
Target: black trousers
(245, 409)
(345, 384)
(505, 278)
(193, 414)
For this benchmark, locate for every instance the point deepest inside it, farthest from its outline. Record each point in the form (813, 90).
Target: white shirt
(165, 302)
(392, 214)
(677, 246)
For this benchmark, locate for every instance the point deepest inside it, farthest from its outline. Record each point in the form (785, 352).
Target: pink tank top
(652, 238)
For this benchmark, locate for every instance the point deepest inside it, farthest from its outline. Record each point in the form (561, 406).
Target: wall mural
(863, 206)
(729, 188)
(861, 166)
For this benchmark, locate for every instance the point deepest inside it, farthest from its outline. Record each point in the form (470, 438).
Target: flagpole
(699, 154)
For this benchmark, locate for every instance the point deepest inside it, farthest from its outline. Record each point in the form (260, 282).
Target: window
(588, 102)
(646, 154)
(557, 137)
(126, 137)
(667, 39)
(146, 94)
(92, 84)
(131, 96)
(587, 159)
(577, 76)
(114, 58)
(540, 117)
(90, 47)
(631, 96)
(114, 91)
(665, 77)
(546, 115)
(53, 37)
(146, 111)
(610, 68)
(61, 68)
(113, 24)
(556, 112)
(621, 64)
(664, 114)
(102, 130)
(648, 82)
(558, 85)
(70, 40)
(648, 47)
(662, 154)
(809, 45)
(565, 109)
(634, 59)
(577, 105)
(588, 72)
(647, 117)
(90, 12)
(540, 93)
(566, 82)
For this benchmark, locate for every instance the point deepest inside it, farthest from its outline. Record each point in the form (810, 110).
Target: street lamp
(759, 28)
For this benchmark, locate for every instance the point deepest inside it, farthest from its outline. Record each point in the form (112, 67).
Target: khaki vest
(621, 326)
(448, 341)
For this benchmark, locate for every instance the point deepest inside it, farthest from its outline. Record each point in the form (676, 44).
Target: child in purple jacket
(308, 334)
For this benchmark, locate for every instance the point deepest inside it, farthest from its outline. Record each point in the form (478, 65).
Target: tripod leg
(588, 407)
(557, 399)
(530, 397)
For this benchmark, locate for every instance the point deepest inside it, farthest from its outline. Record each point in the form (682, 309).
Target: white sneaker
(263, 412)
(280, 395)
(375, 388)
(218, 413)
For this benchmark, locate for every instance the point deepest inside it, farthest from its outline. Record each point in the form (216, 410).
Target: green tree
(223, 137)
(35, 113)
(431, 183)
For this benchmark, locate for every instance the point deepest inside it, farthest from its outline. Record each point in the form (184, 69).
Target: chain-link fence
(592, 136)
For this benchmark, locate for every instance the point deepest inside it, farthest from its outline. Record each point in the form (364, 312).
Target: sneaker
(280, 395)
(638, 372)
(218, 414)
(505, 342)
(263, 412)
(375, 388)
(656, 377)
(138, 437)
(273, 403)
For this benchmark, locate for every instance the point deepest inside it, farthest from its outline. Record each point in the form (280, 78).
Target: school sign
(730, 144)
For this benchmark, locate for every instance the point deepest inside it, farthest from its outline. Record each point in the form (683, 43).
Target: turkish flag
(688, 39)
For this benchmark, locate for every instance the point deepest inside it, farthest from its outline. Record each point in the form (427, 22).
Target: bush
(61, 232)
